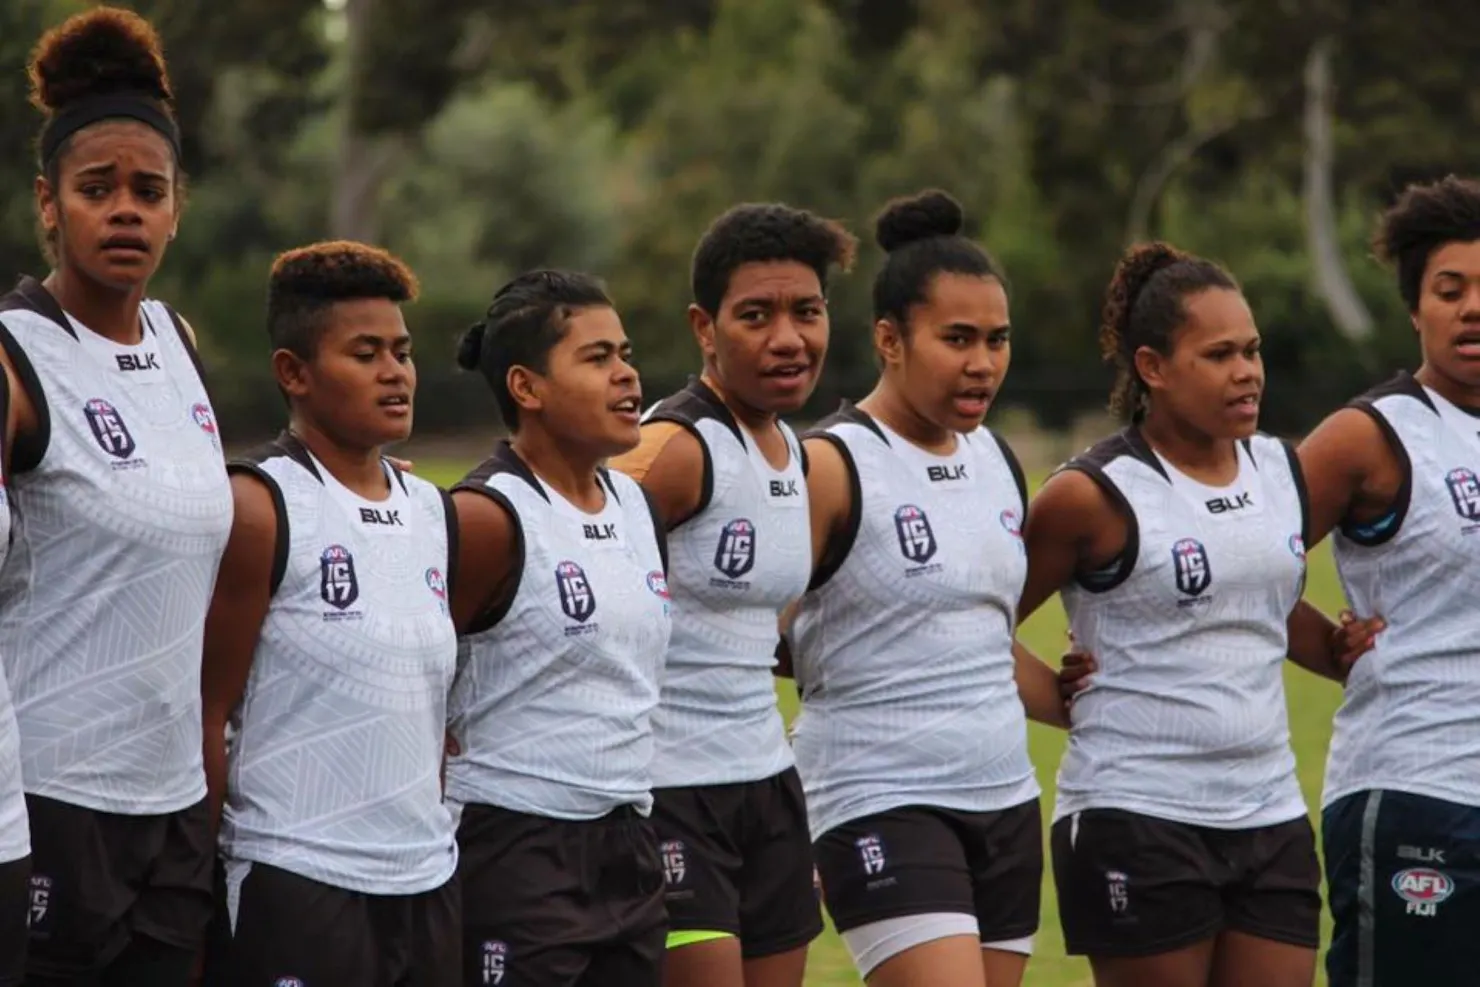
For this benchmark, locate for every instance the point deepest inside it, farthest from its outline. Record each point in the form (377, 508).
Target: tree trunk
(1332, 280)
(364, 159)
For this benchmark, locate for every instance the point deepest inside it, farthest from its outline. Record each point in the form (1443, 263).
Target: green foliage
(606, 136)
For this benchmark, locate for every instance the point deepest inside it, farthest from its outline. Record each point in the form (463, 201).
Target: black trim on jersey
(395, 472)
(658, 533)
(449, 518)
(1016, 467)
(837, 550)
(603, 476)
(503, 460)
(290, 445)
(1248, 444)
(190, 349)
(248, 465)
(30, 296)
(1298, 475)
(687, 407)
(1092, 463)
(1400, 384)
(4, 417)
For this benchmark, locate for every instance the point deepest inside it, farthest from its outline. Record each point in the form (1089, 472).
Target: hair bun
(470, 347)
(105, 50)
(928, 214)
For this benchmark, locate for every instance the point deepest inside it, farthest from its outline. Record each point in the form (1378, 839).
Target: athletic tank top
(122, 510)
(554, 695)
(903, 646)
(742, 558)
(15, 833)
(1186, 719)
(1409, 719)
(336, 750)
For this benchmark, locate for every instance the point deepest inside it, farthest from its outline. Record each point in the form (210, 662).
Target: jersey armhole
(449, 518)
(190, 348)
(497, 610)
(1120, 568)
(1016, 467)
(279, 508)
(706, 482)
(837, 549)
(660, 535)
(1297, 475)
(28, 450)
(1385, 528)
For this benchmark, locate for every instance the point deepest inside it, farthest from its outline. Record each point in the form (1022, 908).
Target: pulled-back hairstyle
(529, 315)
(104, 51)
(1425, 218)
(305, 283)
(759, 232)
(921, 234)
(1143, 307)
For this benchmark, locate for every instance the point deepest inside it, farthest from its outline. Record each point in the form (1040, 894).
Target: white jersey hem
(136, 806)
(345, 882)
(1024, 792)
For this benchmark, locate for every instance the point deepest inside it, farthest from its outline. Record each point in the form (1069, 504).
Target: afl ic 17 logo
(107, 426)
(735, 554)
(916, 537)
(1190, 568)
(338, 585)
(576, 597)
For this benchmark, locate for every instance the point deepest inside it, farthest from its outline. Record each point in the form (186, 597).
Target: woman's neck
(109, 313)
(1210, 460)
(756, 422)
(886, 404)
(1448, 388)
(358, 469)
(571, 472)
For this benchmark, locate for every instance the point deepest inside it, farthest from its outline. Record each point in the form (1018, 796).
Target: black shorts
(1135, 885)
(15, 909)
(285, 930)
(917, 860)
(1404, 878)
(556, 903)
(100, 880)
(737, 859)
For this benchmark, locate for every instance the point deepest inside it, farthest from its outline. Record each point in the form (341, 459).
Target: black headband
(108, 106)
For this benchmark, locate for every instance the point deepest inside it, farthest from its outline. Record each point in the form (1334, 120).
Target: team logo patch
(1423, 888)
(1117, 888)
(1190, 563)
(658, 583)
(40, 902)
(287, 982)
(495, 961)
(916, 539)
(871, 853)
(675, 868)
(437, 583)
(576, 598)
(203, 417)
(1297, 547)
(1012, 523)
(1464, 490)
(337, 582)
(735, 554)
(108, 428)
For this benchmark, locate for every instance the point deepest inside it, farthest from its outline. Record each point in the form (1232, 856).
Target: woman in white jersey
(912, 741)
(15, 837)
(1182, 849)
(1397, 475)
(562, 604)
(728, 478)
(122, 509)
(329, 653)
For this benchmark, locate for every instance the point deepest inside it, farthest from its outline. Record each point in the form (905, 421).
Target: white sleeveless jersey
(15, 834)
(122, 511)
(1186, 719)
(553, 702)
(1410, 720)
(336, 750)
(903, 646)
(744, 556)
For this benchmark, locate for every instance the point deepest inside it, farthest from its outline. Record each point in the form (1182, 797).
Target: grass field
(1312, 702)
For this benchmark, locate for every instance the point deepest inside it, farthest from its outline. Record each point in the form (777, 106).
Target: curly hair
(1143, 307)
(306, 282)
(759, 232)
(1425, 218)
